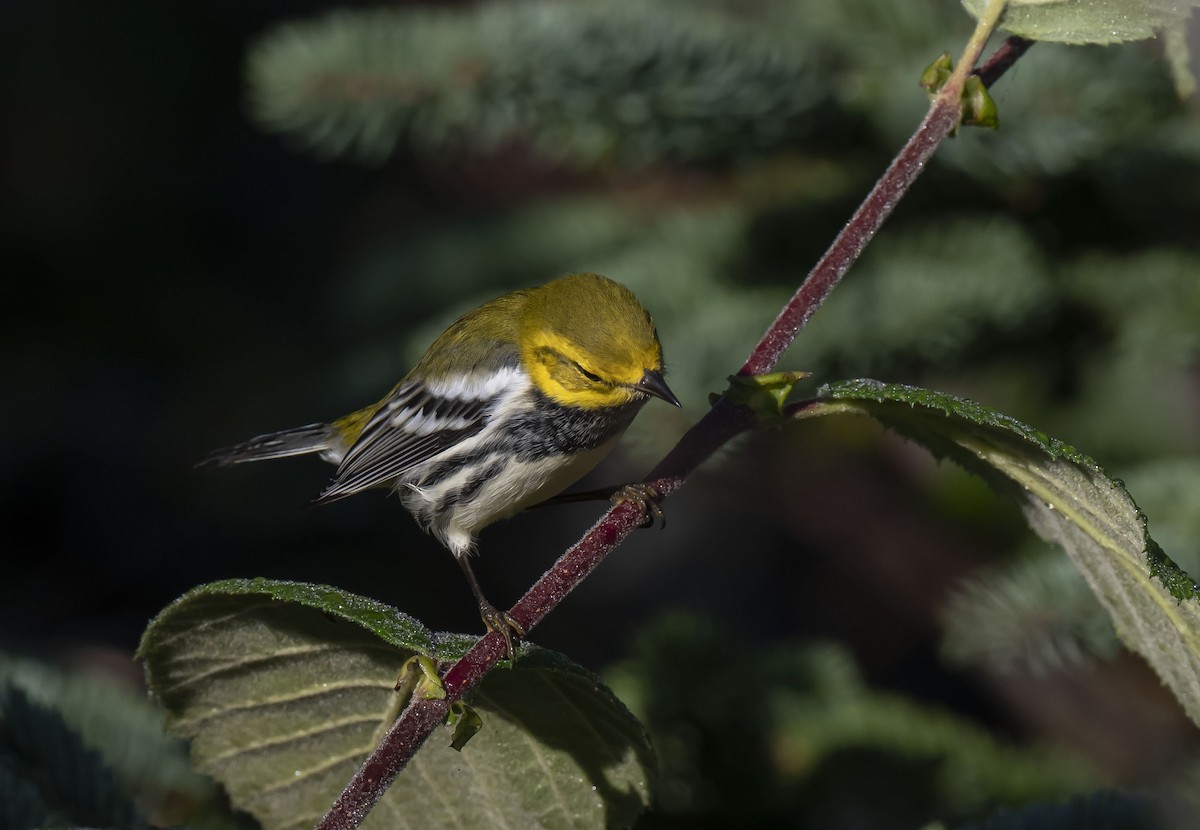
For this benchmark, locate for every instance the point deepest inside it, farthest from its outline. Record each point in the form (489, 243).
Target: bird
(515, 401)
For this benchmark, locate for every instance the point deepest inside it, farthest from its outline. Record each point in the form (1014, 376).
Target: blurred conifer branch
(1103, 810)
(82, 751)
(616, 81)
(1034, 612)
(812, 706)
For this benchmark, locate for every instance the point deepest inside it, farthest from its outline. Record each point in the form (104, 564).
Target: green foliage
(611, 80)
(1083, 123)
(82, 751)
(1098, 811)
(1034, 611)
(119, 723)
(1068, 500)
(1148, 304)
(928, 295)
(812, 729)
(1094, 21)
(285, 688)
(63, 782)
(1169, 490)
(618, 82)
(1175, 48)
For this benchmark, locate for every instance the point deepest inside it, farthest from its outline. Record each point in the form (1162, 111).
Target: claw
(497, 620)
(647, 498)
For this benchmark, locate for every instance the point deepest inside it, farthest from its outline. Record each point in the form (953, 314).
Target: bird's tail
(314, 438)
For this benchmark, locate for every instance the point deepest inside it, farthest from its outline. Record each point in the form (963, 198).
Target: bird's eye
(594, 378)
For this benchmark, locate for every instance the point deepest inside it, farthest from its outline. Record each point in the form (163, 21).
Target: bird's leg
(493, 618)
(641, 493)
(579, 495)
(644, 496)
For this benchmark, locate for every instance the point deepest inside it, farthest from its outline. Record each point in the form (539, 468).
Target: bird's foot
(500, 621)
(645, 496)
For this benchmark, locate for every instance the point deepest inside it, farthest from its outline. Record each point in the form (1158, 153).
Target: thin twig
(1004, 57)
(721, 423)
(853, 238)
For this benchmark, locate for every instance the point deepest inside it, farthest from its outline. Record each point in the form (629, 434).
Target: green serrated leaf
(388, 624)
(284, 687)
(1068, 500)
(1087, 21)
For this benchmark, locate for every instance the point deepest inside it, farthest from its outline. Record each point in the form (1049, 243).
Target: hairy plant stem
(721, 423)
(984, 26)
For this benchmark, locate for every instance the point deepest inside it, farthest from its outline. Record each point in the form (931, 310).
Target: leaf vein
(311, 695)
(277, 741)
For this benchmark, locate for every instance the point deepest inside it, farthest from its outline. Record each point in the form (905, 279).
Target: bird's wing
(416, 423)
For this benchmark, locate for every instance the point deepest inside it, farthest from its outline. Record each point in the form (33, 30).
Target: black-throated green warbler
(514, 402)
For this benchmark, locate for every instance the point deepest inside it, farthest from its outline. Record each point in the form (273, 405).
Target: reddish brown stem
(1005, 56)
(718, 426)
(853, 238)
(849, 244)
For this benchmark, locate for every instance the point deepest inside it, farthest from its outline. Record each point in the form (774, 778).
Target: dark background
(175, 280)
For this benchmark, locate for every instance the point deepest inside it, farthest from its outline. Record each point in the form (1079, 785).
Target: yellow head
(587, 342)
